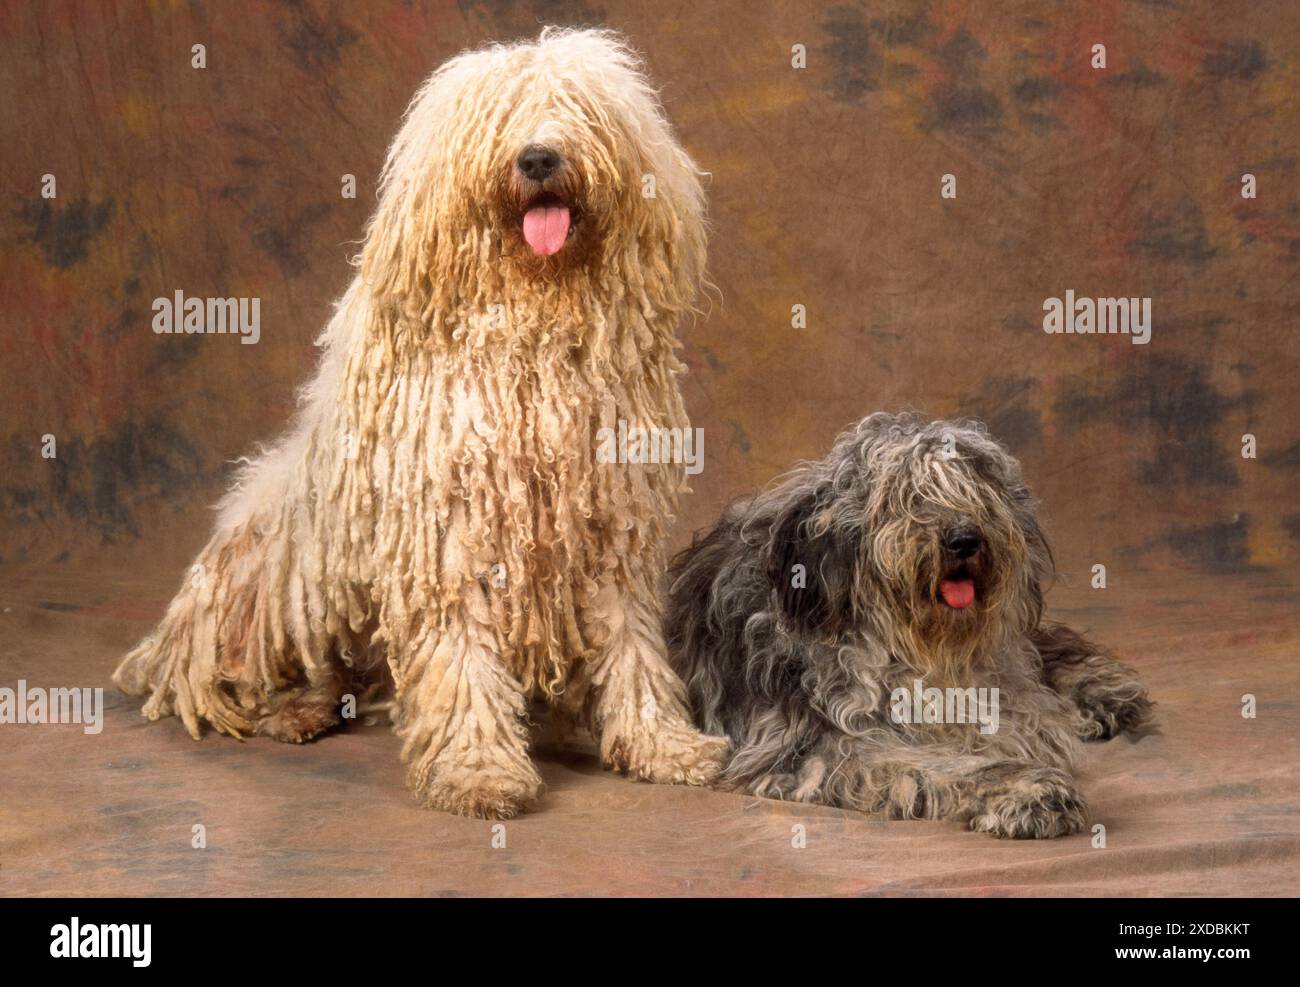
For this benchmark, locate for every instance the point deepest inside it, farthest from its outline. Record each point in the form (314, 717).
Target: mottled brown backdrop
(825, 192)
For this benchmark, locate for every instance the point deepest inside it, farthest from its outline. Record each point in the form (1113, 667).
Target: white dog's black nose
(963, 542)
(538, 162)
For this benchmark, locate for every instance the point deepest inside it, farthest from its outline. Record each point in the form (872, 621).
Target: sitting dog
(438, 504)
(836, 624)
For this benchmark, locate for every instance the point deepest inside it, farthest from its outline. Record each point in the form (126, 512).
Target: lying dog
(836, 624)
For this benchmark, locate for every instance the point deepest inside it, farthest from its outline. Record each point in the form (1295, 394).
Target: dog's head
(546, 161)
(924, 530)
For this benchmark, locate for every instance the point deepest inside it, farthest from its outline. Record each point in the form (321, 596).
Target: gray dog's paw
(1031, 803)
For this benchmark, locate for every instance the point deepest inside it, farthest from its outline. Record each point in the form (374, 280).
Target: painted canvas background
(825, 193)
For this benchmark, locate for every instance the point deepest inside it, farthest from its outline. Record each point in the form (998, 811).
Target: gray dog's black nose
(963, 542)
(538, 163)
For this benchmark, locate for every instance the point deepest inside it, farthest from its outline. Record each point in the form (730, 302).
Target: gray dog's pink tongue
(546, 228)
(958, 593)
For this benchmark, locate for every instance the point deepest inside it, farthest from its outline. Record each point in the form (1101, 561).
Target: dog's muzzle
(957, 588)
(548, 220)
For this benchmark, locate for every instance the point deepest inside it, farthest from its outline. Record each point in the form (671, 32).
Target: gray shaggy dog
(810, 622)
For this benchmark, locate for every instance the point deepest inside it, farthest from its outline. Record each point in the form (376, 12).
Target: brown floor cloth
(1209, 806)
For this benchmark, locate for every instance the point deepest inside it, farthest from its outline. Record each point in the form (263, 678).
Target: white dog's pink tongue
(546, 228)
(958, 593)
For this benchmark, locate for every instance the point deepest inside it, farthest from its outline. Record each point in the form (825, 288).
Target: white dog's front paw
(665, 752)
(481, 794)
